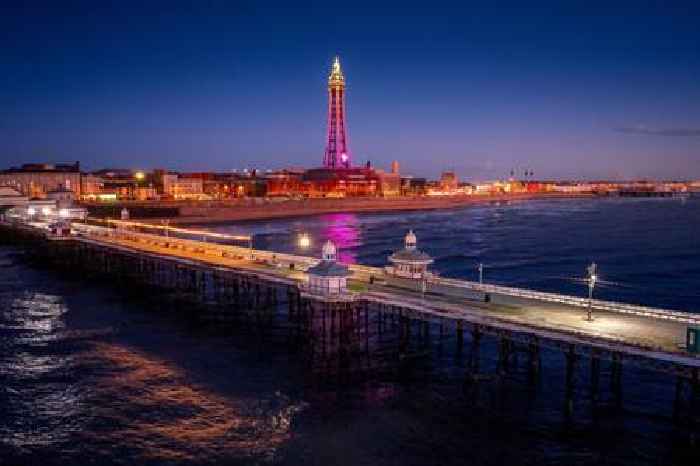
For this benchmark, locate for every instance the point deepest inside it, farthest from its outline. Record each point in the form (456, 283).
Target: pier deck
(651, 337)
(445, 298)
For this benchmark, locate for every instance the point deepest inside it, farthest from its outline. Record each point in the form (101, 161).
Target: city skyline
(595, 93)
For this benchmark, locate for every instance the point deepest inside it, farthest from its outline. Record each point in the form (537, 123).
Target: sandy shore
(260, 209)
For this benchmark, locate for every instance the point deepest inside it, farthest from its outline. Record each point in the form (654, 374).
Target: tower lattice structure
(337, 154)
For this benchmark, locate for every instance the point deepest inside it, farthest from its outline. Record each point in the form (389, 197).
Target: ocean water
(91, 375)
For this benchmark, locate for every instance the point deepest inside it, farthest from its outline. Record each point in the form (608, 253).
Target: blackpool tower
(337, 154)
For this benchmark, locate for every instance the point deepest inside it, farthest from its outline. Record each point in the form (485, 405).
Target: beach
(216, 212)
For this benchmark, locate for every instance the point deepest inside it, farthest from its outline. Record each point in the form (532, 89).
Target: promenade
(215, 212)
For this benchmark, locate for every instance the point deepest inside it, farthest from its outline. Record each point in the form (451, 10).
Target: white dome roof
(329, 251)
(410, 237)
(410, 240)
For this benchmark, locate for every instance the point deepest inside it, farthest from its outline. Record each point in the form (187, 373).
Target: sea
(91, 373)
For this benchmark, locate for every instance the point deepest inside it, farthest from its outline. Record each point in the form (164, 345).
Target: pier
(230, 282)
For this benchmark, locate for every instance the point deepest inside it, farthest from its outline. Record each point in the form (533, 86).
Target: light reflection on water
(39, 409)
(344, 231)
(74, 386)
(173, 418)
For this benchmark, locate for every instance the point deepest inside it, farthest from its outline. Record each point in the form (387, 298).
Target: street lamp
(481, 273)
(304, 241)
(166, 227)
(592, 278)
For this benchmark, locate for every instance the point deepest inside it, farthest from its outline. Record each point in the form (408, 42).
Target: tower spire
(337, 154)
(336, 75)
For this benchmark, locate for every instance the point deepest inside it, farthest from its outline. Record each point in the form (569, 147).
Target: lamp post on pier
(481, 273)
(592, 278)
(166, 225)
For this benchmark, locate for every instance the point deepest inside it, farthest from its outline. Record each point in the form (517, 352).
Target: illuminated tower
(337, 154)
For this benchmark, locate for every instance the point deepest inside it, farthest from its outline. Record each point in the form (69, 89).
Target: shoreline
(213, 215)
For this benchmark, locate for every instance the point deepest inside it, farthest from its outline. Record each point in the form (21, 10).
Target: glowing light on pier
(304, 241)
(185, 231)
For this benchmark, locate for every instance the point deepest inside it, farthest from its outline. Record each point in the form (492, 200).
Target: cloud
(675, 132)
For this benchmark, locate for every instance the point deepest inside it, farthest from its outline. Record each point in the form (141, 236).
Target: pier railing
(597, 304)
(363, 272)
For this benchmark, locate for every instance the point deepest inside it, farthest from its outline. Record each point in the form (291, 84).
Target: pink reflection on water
(344, 231)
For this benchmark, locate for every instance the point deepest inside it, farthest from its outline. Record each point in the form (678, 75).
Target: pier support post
(693, 411)
(475, 353)
(616, 379)
(460, 337)
(570, 376)
(678, 400)
(504, 352)
(534, 358)
(426, 332)
(595, 377)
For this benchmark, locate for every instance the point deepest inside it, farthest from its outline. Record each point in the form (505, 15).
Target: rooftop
(329, 269)
(45, 168)
(410, 255)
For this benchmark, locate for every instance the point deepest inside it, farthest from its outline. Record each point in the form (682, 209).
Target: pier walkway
(649, 337)
(615, 325)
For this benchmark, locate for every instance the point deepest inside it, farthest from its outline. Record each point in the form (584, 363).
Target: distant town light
(31, 211)
(64, 213)
(45, 211)
(139, 175)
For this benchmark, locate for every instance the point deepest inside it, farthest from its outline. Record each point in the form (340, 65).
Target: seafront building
(36, 180)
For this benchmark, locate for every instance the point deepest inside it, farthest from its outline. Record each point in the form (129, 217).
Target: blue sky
(567, 89)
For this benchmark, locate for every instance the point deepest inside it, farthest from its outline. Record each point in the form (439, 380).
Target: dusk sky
(570, 92)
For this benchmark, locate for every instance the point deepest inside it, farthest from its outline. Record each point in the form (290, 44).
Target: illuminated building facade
(36, 180)
(285, 183)
(448, 181)
(351, 182)
(337, 154)
(183, 188)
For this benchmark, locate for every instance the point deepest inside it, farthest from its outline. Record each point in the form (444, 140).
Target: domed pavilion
(328, 277)
(409, 262)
